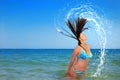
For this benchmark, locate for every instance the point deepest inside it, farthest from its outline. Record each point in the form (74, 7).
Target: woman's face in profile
(83, 38)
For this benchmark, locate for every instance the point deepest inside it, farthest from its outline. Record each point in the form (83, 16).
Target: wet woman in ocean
(81, 54)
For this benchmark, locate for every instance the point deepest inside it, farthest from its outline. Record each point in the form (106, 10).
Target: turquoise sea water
(51, 64)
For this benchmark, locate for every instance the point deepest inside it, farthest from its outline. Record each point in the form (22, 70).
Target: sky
(30, 24)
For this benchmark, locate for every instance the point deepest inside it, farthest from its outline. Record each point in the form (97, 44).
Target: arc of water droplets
(86, 11)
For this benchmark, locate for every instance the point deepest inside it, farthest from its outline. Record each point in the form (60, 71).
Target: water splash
(95, 21)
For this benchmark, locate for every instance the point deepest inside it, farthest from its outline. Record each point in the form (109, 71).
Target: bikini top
(84, 55)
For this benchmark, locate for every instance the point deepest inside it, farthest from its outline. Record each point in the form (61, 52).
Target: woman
(82, 53)
(80, 58)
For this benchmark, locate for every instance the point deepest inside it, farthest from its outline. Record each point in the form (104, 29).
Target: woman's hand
(68, 74)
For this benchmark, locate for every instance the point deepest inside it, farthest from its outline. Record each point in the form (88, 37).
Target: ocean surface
(51, 64)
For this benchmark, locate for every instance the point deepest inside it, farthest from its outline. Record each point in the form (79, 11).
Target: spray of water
(95, 21)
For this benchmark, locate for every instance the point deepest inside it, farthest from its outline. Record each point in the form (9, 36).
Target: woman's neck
(83, 44)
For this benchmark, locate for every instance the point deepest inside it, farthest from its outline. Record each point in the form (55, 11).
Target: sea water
(52, 64)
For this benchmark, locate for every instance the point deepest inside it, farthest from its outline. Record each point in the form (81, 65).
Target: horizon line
(53, 48)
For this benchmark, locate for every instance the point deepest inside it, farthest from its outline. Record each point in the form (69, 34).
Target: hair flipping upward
(76, 28)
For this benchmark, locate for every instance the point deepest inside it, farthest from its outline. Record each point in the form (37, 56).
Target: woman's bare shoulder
(77, 49)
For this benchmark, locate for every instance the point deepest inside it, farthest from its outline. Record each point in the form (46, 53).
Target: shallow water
(51, 64)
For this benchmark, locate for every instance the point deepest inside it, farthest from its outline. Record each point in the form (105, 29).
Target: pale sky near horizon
(31, 23)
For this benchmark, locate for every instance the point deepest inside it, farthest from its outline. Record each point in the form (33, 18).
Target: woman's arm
(75, 53)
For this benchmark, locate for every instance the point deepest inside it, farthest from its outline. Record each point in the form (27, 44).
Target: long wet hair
(76, 28)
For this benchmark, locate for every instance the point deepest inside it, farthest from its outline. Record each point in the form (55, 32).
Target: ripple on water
(116, 62)
(29, 63)
(36, 70)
